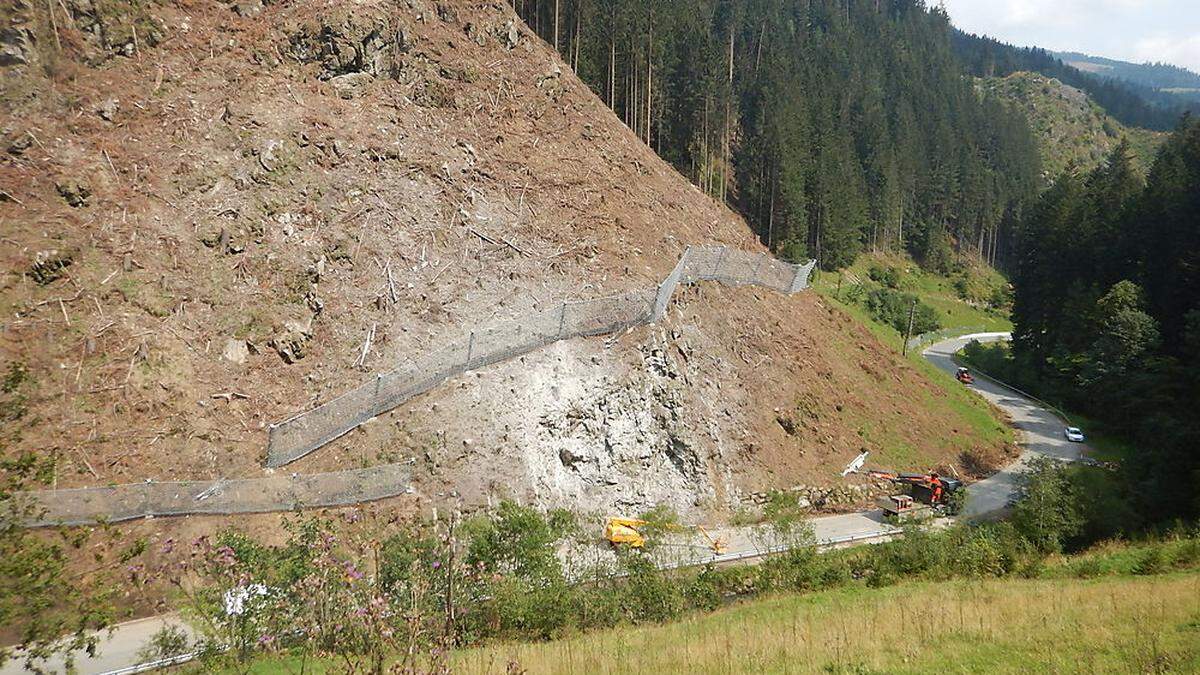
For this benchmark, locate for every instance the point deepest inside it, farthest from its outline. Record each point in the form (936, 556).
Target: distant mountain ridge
(1162, 76)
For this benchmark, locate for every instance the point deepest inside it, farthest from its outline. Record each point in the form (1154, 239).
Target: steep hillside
(209, 208)
(1070, 127)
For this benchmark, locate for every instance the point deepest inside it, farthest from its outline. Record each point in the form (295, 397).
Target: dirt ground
(201, 226)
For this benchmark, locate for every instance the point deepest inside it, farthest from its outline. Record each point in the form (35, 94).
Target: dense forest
(1107, 311)
(833, 125)
(1130, 103)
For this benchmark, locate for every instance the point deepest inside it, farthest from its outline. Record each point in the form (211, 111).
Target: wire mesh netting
(304, 433)
(294, 438)
(115, 503)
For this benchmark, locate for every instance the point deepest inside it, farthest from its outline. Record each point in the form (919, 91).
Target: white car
(1074, 434)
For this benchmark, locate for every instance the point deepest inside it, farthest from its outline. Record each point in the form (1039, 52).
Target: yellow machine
(625, 531)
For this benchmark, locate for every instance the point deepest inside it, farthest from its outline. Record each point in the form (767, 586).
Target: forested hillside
(1107, 311)
(1132, 104)
(832, 125)
(1072, 130)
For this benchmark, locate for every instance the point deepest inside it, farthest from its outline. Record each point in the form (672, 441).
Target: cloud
(1135, 30)
(1183, 51)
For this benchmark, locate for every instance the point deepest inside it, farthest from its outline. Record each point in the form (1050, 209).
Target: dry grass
(1147, 624)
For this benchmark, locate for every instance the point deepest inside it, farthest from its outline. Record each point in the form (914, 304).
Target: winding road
(1041, 433)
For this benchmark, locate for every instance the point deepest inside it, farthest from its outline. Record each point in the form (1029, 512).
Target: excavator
(924, 491)
(625, 531)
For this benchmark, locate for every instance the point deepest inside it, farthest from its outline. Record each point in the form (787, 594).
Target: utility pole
(912, 313)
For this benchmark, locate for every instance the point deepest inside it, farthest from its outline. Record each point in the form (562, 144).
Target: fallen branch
(502, 242)
(366, 348)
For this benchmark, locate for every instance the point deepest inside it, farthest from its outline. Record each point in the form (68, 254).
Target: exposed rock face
(350, 85)
(16, 46)
(618, 443)
(351, 43)
(291, 342)
(49, 266)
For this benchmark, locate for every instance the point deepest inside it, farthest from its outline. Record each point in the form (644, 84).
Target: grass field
(1119, 624)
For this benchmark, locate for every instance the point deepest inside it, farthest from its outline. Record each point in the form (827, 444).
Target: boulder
(351, 85)
(236, 351)
(108, 109)
(248, 8)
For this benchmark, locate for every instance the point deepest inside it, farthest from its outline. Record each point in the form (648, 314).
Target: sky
(1128, 30)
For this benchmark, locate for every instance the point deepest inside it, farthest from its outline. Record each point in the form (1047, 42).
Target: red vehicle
(963, 375)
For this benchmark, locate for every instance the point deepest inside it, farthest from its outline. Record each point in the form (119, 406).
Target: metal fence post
(470, 348)
(562, 319)
(146, 499)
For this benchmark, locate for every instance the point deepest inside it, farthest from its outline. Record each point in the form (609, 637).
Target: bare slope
(208, 209)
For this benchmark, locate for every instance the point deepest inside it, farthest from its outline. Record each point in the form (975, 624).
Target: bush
(991, 550)
(649, 593)
(1155, 560)
(888, 276)
(517, 540)
(892, 307)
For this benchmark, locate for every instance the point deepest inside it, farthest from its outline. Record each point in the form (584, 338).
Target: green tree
(1047, 512)
(54, 610)
(1124, 333)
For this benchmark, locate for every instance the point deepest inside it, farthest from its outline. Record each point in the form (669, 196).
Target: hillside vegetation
(1072, 129)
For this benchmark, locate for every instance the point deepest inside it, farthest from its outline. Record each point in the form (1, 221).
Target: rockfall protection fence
(296, 437)
(308, 431)
(115, 503)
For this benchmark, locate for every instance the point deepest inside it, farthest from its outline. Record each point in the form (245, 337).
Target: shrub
(649, 593)
(1156, 560)
(892, 307)
(517, 540)
(1089, 568)
(888, 276)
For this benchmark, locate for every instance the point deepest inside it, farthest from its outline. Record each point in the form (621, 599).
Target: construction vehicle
(923, 491)
(964, 375)
(626, 532)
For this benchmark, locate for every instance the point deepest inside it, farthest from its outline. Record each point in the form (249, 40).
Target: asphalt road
(1041, 432)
